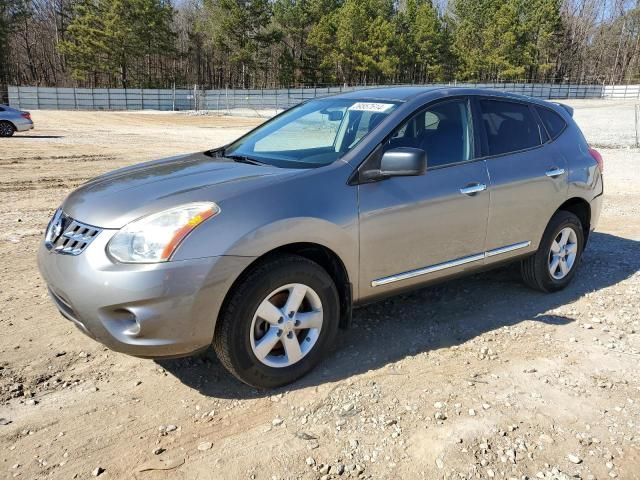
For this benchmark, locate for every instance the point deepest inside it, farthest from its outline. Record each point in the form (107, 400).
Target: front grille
(68, 236)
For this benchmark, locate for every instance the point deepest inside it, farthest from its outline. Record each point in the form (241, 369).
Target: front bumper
(146, 310)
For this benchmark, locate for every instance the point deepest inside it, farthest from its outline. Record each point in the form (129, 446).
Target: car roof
(406, 93)
(386, 93)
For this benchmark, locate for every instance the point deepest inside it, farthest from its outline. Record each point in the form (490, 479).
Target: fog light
(128, 320)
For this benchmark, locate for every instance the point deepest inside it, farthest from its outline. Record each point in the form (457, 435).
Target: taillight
(26, 115)
(597, 157)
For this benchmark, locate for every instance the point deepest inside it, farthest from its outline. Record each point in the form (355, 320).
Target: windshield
(313, 134)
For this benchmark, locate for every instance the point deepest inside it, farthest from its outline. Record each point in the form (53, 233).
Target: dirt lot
(477, 378)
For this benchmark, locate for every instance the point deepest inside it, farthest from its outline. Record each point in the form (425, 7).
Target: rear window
(553, 122)
(510, 126)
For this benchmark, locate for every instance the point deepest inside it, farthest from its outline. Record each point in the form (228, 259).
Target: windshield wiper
(244, 159)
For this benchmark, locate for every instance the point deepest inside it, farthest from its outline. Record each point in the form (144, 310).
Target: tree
(505, 52)
(87, 49)
(295, 19)
(357, 41)
(136, 29)
(545, 29)
(111, 37)
(239, 28)
(6, 23)
(268, 43)
(504, 39)
(432, 43)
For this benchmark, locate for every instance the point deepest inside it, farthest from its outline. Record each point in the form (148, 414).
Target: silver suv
(261, 248)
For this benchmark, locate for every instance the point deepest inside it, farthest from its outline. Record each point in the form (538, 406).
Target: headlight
(155, 237)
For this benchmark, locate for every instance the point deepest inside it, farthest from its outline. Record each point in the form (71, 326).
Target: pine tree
(87, 48)
(6, 19)
(469, 19)
(112, 36)
(239, 28)
(260, 43)
(504, 39)
(432, 48)
(357, 41)
(294, 19)
(404, 45)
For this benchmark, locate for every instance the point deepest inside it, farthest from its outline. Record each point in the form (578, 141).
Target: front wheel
(555, 263)
(278, 322)
(6, 129)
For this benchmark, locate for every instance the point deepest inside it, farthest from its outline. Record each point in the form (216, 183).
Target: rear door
(528, 178)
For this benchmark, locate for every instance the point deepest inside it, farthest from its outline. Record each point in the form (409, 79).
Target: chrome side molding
(453, 263)
(506, 249)
(424, 271)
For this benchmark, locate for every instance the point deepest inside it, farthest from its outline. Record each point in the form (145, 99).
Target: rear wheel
(6, 129)
(278, 322)
(554, 265)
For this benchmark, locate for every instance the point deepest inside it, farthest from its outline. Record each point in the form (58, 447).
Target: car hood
(116, 198)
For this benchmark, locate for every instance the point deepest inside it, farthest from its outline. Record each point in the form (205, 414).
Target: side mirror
(397, 162)
(403, 162)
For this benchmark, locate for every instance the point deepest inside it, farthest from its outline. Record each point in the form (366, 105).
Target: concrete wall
(230, 100)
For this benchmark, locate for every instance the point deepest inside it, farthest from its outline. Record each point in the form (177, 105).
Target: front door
(414, 229)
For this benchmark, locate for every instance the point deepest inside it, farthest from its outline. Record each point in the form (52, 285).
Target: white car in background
(13, 120)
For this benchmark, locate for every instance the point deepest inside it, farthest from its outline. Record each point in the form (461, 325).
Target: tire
(241, 330)
(537, 269)
(6, 129)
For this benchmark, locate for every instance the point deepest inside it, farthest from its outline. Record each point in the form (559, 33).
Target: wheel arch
(581, 209)
(320, 254)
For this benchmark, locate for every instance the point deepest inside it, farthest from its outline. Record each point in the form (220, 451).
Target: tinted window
(553, 122)
(443, 131)
(510, 126)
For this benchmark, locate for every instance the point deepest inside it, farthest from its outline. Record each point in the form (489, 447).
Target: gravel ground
(476, 378)
(609, 123)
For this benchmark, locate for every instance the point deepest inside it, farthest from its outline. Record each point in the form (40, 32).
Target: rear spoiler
(566, 107)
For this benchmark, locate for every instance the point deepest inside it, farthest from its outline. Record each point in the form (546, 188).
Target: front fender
(266, 238)
(342, 241)
(316, 207)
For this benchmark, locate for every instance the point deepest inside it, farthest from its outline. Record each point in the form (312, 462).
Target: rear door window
(510, 126)
(553, 122)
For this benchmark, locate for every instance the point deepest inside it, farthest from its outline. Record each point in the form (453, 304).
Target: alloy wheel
(6, 129)
(562, 255)
(286, 325)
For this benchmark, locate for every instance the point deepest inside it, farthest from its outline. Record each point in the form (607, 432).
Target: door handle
(473, 189)
(554, 172)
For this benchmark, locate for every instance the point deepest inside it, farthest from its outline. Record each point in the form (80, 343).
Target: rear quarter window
(553, 122)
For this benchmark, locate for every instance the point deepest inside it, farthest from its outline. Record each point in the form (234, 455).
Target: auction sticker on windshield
(371, 107)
